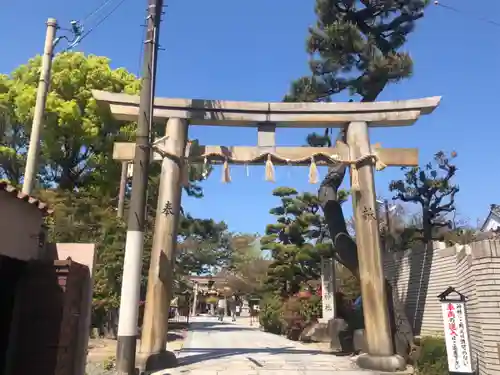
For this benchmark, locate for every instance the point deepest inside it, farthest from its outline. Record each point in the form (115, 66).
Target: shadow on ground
(174, 336)
(197, 355)
(191, 356)
(221, 327)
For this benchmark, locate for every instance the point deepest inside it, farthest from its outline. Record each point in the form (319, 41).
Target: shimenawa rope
(313, 170)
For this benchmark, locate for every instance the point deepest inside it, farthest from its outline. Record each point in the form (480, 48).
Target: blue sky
(252, 50)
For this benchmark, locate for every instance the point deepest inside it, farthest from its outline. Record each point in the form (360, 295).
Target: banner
(457, 337)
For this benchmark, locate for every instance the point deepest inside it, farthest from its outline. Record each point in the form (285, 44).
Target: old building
(45, 295)
(21, 224)
(492, 222)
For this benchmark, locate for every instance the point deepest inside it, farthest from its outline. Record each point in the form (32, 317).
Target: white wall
(491, 224)
(419, 276)
(20, 225)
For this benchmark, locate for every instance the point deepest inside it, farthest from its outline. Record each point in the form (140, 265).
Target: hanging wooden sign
(456, 332)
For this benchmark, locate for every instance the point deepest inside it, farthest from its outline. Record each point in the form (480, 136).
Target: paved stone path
(215, 348)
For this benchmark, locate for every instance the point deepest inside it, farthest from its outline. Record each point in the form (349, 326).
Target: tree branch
(410, 198)
(449, 207)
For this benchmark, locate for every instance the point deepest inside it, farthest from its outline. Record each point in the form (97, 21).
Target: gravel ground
(102, 352)
(95, 368)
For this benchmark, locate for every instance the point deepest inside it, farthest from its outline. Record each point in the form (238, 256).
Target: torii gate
(266, 117)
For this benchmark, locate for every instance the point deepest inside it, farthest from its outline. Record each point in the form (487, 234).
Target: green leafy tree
(203, 245)
(4, 122)
(247, 268)
(245, 247)
(295, 241)
(13, 141)
(78, 136)
(88, 218)
(431, 187)
(77, 174)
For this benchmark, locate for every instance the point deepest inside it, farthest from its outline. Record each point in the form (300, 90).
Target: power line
(78, 27)
(467, 14)
(102, 20)
(96, 10)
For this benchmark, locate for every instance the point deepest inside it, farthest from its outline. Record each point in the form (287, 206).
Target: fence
(418, 276)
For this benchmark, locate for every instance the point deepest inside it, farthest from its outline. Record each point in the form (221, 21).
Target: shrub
(298, 312)
(311, 308)
(433, 359)
(290, 316)
(293, 321)
(270, 314)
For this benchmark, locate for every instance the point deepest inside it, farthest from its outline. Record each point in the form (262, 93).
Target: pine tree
(354, 46)
(293, 241)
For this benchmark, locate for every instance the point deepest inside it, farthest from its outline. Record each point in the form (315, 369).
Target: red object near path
(304, 294)
(319, 291)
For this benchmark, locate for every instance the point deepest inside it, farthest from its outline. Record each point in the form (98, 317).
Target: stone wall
(418, 276)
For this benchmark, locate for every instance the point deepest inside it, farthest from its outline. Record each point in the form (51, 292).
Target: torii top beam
(293, 115)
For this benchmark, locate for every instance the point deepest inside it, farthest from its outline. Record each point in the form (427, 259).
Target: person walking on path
(221, 307)
(232, 307)
(254, 314)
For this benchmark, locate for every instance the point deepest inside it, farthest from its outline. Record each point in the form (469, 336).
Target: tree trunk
(426, 225)
(110, 326)
(66, 183)
(344, 245)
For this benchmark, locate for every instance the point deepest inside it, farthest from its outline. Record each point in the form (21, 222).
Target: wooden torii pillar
(266, 117)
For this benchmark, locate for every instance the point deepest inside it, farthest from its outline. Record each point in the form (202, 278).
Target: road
(215, 348)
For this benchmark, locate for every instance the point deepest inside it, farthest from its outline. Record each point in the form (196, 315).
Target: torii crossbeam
(266, 117)
(288, 115)
(255, 155)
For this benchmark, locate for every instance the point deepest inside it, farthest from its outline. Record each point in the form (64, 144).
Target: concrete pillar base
(340, 340)
(156, 361)
(391, 363)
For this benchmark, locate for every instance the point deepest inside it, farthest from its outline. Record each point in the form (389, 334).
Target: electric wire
(95, 11)
(77, 27)
(467, 14)
(102, 20)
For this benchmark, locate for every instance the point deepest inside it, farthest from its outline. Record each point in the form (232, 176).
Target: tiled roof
(14, 192)
(495, 208)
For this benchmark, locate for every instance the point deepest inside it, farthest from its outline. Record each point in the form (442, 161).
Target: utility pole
(41, 99)
(123, 187)
(131, 281)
